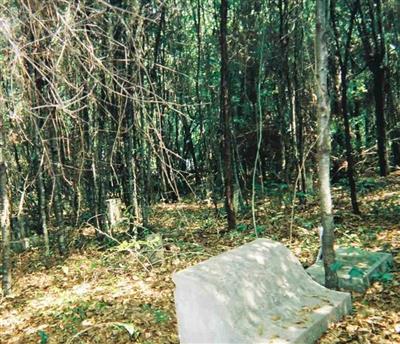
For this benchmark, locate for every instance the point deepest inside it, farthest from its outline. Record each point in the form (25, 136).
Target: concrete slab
(257, 293)
(357, 268)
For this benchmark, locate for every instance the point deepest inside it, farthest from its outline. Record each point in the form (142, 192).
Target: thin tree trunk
(57, 203)
(379, 81)
(4, 219)
(349, 148)
(40, 187)
(189, 148)
(324, 143)
(130, 159)
(200, 114)
(96, 171)
(144, 171)
(375, 53)
(343, 64)
(42, 208)
(298, 95)
(226, 119)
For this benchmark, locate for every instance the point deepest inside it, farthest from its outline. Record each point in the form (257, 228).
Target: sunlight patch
(82, 289)
(11, 319)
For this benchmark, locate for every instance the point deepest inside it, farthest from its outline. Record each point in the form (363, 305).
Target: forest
(139, 137)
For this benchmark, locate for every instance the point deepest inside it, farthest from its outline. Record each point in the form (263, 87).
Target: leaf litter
(106, 296)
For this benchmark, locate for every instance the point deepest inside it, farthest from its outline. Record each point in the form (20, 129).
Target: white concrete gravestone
(257, 293)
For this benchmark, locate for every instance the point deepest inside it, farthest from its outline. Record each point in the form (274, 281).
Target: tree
(324, 144)
(373, 39)
(343, 59)
(4, 217)
(226, 118)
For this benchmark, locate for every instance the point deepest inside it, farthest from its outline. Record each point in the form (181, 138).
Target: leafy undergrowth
(112, 295)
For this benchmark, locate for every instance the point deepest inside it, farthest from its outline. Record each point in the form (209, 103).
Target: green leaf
(241, 227)
(133, 332)
(160, 316)
(260, 229)
(336, 266)
(356, 272)
(43, 337)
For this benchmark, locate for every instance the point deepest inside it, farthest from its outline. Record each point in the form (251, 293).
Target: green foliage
(159, 315)
(260, 230)
(241, 227)
(388, 209)
(278, 192)
(73, 316)
(357, 88)
(307, 222)
(136, 244)
(369, 184)
(274, 188)
(43, 337)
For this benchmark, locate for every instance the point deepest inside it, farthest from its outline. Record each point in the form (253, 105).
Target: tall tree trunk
(200, 114)
(349, 148)
(379, 81)
(4, 219)
(343, 64)
(298, 93)
(375, 52)
(189, 148)
(56, 167)
(39, 149)
(324, 143)
(144, 171)
(226, 119)
(130, 158)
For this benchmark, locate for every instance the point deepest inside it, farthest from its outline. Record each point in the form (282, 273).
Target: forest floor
(111, 295)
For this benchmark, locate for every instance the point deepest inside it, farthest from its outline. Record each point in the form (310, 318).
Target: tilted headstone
(257, 293)
(357, 268)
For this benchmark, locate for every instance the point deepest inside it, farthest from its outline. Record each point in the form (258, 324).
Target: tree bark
(56, 167)
(226, 119)
(349, 148)
(379, 81)
(41, 192)
(324, 143)
(375, 52)
(4, 219)
(343, 64)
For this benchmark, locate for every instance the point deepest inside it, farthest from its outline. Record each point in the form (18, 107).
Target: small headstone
(61, 240)
(26, 243)
(114, 211)
(257, 293)
(357, 268)
(153, 249)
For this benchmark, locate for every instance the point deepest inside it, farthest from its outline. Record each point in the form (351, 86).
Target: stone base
(357, 268)
(257, 293)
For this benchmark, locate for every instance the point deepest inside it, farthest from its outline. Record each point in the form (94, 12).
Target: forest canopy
(103, 99)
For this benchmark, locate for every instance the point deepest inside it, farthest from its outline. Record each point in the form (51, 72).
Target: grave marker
(256, 293)
(357, 268)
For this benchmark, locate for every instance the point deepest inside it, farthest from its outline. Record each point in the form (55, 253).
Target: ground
(110, 294)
